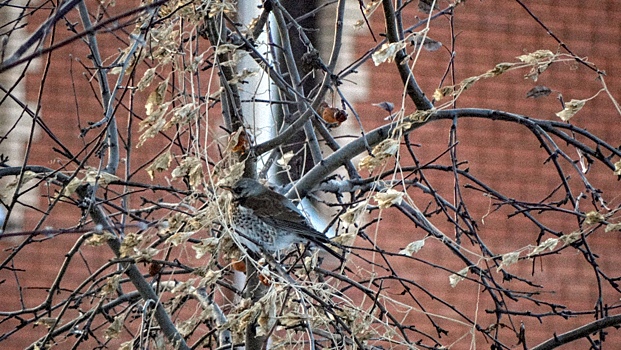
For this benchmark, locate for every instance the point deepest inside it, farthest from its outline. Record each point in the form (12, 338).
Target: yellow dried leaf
(499, 69)
(387, 52)
(537, 70)
(128, 345)
(468, 82)
(291, 319)
(187, 326)
(113, 331)
(207, 245)
(508, 259)
(345, 239)
(155, 117)
(160, 164)
(540, 60)
(613, 227)
(388, 198)
(6, 194)
(145, 254)
(130, 242)
(443, 92)
(72, 186)
(146, 80)
(183, 115)
(549, 243)
(221, 6)
(46, 321)
(412, 247)
(458, 277)
(98, 177)
(383, 150)
(186, 167)
(211, 277)
(195, 174)
(571, 237)
(352, 214)
(225, 48)
(156, 97)
(594, 217)
(179, 238)
(618, 168)
(371, 7)
(99, 239)
(420, 116)
(151, 132)
(284, 160)
(428, 44)
(536, 56)
(571, 108)
(112, 283)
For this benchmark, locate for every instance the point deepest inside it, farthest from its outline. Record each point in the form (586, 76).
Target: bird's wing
(276, 210)
(280, 212)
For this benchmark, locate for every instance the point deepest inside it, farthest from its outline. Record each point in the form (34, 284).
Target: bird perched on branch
(267, 219)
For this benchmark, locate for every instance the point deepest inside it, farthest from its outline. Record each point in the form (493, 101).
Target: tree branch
(580, 332)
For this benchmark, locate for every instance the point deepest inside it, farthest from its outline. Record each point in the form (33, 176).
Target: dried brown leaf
(442, 92)
(160, 164)
(613, 227)
(428, 43)
(352, 214)
(332, 116)
(207, 245)
(571, 108)
(387, 52)
(130, 244)
(371, 7)
(425, 6)
(72, 186)
(192, 167)
(549, 244)
(156, 98)
(6, 193)
(380, 153)
(239, 142)
(412, 247)
(499, 69)
(97, 177)
(538, 91)
(618, 168)
(508, 259)
(594, 217)
(389, 198)
(537, 56)
(113, 331)
(146, 79)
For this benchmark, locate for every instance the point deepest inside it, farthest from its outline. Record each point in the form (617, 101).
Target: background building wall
(506, 155)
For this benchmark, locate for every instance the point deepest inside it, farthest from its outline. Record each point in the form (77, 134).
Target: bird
(267, 220)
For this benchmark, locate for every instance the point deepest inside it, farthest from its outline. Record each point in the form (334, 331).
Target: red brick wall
(505, 155)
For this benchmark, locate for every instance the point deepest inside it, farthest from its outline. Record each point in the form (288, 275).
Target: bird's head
(245, 188)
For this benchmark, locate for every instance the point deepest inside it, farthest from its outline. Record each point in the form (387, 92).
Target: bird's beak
(230, 189)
